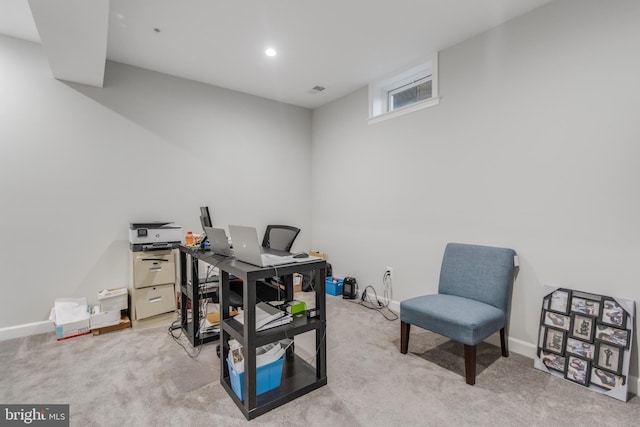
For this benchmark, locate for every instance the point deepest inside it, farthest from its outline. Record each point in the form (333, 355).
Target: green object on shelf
(296, 307)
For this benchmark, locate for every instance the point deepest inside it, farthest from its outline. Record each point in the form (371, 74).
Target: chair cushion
(461, 319)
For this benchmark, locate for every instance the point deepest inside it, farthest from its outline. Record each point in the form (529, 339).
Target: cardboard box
(70, 317)
(179, 301)
(113, 299)
(297, 282)
(72, 329)
(102, 319)
(124, 323)
(318, 254)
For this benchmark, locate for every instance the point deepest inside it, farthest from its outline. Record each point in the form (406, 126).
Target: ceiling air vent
(316, 89)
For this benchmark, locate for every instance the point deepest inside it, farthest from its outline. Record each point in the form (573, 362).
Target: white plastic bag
(68, 310)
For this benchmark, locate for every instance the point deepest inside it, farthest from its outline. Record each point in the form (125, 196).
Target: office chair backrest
(482, 273)
(280, 237)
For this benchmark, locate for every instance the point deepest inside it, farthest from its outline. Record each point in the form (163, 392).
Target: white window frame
(379, 91)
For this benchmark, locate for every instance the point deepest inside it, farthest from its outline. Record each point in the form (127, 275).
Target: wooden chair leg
(504, 343)
(470, 363)
(404, 337)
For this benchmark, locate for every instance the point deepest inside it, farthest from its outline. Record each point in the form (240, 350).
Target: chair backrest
(482, 273)
(280, 237)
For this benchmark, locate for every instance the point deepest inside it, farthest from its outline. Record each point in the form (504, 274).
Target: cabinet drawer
(154, 300)
(153, 269)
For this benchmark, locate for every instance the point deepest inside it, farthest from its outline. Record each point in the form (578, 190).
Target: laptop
(247, 248)
(218, 241)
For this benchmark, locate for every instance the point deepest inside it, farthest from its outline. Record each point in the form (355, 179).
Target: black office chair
(280, 237)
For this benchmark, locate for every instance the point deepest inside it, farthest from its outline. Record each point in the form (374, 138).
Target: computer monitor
(205, 217)
(205, 220)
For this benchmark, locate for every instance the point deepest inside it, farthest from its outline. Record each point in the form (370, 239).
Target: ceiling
(339, 44)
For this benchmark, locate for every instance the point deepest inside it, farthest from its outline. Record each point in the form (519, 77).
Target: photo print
(610, 357)
(583, 327)
(577, 370)
(560, 301)
(613, 335)
(613, 314)
(585, 306)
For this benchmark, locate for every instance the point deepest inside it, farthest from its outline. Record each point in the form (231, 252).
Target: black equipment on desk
(205, 221)
(349, 288)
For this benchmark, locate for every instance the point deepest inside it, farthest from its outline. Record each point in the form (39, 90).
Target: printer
(154, 235)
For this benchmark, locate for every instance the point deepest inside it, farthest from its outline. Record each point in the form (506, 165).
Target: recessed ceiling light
(270, 52)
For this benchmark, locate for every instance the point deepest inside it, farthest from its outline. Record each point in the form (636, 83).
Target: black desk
(298, 376)
(193, 292)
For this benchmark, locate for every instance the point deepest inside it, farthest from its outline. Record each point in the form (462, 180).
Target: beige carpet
(141, 377)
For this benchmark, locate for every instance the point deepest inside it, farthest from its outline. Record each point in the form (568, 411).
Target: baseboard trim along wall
(25, 330)
(515, 345)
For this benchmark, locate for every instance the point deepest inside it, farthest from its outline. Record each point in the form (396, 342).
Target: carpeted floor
(142, 377)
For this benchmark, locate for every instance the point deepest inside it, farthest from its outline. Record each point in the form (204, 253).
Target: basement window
(404, 92)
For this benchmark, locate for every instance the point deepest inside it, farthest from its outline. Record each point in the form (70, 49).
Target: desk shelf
(298, 379)
(299, 325)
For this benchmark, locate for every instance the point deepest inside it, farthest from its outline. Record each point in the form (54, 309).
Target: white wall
(78, 164)
(534, 146)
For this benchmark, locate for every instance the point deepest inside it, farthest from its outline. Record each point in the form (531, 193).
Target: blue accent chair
(473, 300)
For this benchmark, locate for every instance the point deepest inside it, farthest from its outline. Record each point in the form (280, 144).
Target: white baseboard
(395, 306)
(517, 346)
(25, 330)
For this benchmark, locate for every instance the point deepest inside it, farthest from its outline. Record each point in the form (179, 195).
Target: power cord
(374, 303)
(177, 337)
(324, 334)
(175, 325)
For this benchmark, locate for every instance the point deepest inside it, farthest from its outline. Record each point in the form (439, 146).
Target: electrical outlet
(389, 272)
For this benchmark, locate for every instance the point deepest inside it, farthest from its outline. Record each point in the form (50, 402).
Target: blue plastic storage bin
(334, 285)
(267, 377)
